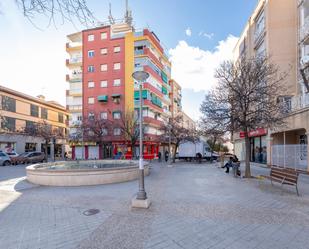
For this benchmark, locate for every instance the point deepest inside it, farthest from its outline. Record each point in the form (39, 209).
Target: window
(104, 131)
(34, 111)
(103, 67)
(60, 118)
(29, 125)
(104, 83)
(8, 123)
(117, 49)
(103, 51)
(90, 84)
(117, 66)
(103, 115)
(103, 35)
(117, 131)
(117, 82)
(90, 100)
(8, 104)
(44, 113)
(116, 115)
(259, 25)
(91, 37)
(91, 69)
(90, 53)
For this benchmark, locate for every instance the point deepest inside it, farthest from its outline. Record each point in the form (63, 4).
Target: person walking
(159, 156)
(166, 155)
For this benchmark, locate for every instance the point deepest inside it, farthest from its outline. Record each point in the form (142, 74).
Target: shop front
(258, 145)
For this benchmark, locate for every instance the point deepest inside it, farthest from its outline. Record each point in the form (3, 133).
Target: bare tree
(45, 131)
(215, 133)
(246, 98)
(177, 132)
(129, 126)
(96, 129)
(66, 10)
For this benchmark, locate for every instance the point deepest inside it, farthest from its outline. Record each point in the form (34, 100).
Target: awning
(102, 98)
(116, 95)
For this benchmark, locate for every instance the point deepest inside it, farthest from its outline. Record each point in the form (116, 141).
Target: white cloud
(188, 32)
(194, 68)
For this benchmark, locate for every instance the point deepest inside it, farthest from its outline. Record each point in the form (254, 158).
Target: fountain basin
(84, 173)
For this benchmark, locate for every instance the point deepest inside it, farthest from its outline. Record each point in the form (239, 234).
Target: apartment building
(272, 30)
(175, 97)
(106, 57)
(19, 111)
(74, 100)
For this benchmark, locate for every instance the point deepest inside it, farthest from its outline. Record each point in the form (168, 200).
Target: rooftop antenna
(128, 15)
(110, 16)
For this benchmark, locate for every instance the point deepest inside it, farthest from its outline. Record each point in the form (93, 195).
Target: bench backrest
(289, 175)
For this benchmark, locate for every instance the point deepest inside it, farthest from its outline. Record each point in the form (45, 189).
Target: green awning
(144, 94)
(164, 77)
(116, 95)
(102, 98)
(164, 90)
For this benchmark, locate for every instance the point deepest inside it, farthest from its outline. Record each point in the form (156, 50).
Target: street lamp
(141, 198)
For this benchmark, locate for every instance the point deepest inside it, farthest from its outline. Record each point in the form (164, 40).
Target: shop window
(29, 147)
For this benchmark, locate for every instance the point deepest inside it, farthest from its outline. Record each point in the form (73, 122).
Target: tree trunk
(133, 150)
(46, 152)
(247, 157)
(174, 154)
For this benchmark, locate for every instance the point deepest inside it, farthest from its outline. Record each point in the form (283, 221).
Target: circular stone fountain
(82, 173)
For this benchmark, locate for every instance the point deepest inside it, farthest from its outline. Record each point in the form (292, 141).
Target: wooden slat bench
(285, 176)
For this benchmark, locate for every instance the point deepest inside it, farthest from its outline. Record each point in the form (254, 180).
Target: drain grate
(90, 212)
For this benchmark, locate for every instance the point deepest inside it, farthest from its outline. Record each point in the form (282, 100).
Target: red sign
(256, 133)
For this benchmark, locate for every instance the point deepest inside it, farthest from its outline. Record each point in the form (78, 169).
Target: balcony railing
(75, 60)
(299, 102)
(75, 91)
(304, 30)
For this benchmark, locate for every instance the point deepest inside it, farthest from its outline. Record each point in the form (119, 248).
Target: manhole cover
(91, 212)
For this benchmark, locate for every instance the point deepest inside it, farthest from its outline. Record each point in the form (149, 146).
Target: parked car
(29, 157)
(5, 160)
(12, 154)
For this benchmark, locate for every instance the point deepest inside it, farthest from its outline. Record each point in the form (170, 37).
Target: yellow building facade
(19, 111)
(279, 30)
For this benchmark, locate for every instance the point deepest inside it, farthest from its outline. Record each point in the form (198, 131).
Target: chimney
(42, 97)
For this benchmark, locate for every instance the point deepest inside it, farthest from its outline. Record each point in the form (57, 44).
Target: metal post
(169, 144)
(284, 149)
(141, 195)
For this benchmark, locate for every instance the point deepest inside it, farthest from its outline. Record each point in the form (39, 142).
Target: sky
(197, 35)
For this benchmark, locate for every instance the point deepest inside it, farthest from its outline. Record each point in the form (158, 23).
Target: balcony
(75, 92)
(75, 108)
(304, 30)
(76, 61)
(74, 77)
(73, 46)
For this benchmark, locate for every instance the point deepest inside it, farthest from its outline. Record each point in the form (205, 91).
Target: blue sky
(197, 34)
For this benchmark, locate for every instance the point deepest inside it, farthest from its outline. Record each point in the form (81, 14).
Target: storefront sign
(256, 133)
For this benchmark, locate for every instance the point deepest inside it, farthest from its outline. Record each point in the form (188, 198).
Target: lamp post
(140, 77)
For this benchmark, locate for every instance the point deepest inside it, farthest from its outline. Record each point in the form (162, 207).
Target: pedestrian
(65, 156)
(159, 156)
(236, 165)
(228, 165)
(166, 156)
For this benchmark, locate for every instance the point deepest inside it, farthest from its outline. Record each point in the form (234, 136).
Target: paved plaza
(193, 206)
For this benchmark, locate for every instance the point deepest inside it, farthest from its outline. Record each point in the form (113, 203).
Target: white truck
(193, 150)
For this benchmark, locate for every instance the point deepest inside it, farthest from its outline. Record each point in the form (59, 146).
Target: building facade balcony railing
(75, 92)
(304, 30)
(75, 60)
